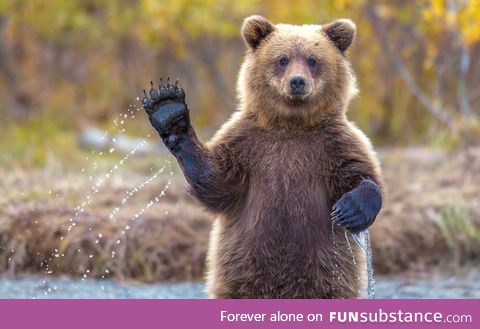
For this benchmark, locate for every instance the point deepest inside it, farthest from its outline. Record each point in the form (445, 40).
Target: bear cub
(288, 175)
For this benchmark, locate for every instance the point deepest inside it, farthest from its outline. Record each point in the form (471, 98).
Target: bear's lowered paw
(167, 111)
(357, 209)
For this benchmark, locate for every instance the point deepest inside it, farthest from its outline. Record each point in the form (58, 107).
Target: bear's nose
(297, 84)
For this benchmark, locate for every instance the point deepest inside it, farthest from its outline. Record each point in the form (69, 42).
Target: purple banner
(239, 313)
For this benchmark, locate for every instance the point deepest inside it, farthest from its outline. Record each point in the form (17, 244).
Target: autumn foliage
(76, 62)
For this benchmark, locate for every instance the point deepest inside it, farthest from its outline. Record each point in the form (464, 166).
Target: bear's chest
(287, 160)
(287, 205)
(287, 182)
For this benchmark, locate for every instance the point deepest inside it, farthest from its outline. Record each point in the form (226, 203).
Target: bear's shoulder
(234, 131)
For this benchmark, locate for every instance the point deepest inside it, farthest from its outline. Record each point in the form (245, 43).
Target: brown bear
(288, 173)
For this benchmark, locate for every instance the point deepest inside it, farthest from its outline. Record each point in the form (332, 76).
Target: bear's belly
(280, 246)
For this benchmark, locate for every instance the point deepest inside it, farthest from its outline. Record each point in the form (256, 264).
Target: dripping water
(363, 240)
(335, 265)
(350, 248)
(336, 270)
(98, 179)
(136, 189)
(97, 184)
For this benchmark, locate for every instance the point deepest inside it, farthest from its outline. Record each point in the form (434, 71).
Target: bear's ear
(341, 32)
(254, 29)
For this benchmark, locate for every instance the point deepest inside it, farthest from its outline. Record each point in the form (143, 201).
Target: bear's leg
(357, 209)
(169, 115)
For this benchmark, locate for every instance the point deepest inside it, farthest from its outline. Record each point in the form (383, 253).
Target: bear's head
(293, 71)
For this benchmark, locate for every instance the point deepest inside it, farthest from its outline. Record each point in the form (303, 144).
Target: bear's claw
(167, 110)
(357, 209)
(165, 93)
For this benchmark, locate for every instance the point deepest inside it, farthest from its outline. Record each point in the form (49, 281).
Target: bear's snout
(297, 85)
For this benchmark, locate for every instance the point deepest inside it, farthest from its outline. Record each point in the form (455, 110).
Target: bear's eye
(283, 61)
(312, 62)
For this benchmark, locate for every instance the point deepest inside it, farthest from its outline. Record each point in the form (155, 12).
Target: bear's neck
(278, 116)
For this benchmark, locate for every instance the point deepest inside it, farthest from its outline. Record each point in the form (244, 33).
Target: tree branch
(402, 69)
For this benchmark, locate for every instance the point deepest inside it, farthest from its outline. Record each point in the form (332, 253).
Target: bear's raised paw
(167, 111)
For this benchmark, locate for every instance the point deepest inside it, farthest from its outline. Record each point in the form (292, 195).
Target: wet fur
(276, 241)
(273, 172)
(288, 169)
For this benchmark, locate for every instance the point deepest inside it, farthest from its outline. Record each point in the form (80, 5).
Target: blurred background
(87, 193)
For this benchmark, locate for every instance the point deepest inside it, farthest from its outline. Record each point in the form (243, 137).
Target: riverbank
(138, 223)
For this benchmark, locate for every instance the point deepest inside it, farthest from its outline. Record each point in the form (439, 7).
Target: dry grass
(431, 217)
(165, 243)
(432, 212)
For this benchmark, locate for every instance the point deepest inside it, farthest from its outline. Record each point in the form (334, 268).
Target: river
(431, 286)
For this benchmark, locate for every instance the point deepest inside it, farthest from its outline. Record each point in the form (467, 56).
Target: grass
(432, 213)
(28, 143)
(167, 242)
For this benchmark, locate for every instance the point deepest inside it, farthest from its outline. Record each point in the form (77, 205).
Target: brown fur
(279, 165)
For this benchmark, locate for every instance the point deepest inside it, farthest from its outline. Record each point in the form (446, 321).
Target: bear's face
(295, 70)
